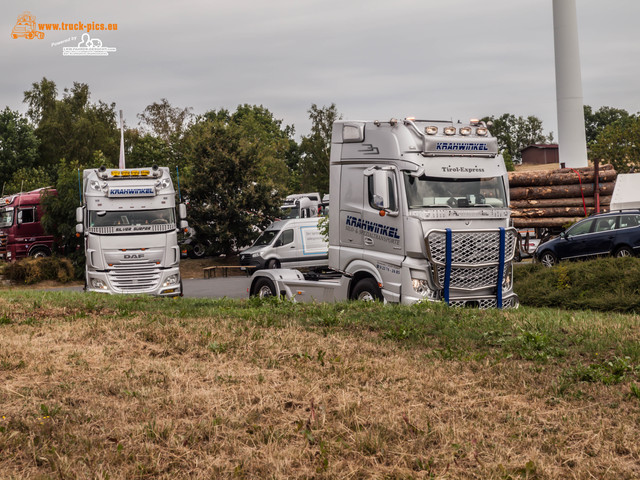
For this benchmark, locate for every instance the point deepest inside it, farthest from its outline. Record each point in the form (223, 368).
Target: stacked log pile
(548, 199)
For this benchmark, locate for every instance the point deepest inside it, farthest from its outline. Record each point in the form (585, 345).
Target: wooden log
(551, 212)
(560, 191)
(607, 166)
(545, 222)
(527, 179)
(559, 202)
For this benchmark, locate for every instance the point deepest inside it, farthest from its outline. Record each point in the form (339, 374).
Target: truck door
(382, 227)
(285, 248)
(350, 204)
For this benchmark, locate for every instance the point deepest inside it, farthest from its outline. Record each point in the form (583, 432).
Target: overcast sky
(373, 59)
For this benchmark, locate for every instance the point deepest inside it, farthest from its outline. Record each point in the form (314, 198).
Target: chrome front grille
(470, 247)
(475, 257)
(135, 277)
(466, 278)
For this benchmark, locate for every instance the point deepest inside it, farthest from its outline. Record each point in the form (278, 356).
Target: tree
(71, 127)
(237, 175)
(59, 218)
(18, 144)
(164, 121)
(619, 144)
(315, 149)
(595, 122)
(515, 133)
(27, 179)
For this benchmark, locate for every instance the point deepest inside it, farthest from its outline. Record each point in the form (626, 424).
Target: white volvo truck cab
(129, 223)
(420, 212)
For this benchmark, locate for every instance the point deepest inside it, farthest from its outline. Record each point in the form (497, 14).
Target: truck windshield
(103, 218)
(440, 192)
(266, 238)
(6, 217)
(290, 212)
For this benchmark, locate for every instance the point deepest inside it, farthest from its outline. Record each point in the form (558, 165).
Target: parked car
(288, 243)
(614, 233)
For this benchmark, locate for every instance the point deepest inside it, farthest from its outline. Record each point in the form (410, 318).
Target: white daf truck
(128, 220)
(420, 212)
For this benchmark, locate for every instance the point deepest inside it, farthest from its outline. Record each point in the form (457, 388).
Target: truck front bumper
(167, 283)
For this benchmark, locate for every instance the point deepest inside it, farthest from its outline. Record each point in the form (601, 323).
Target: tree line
(235, 166)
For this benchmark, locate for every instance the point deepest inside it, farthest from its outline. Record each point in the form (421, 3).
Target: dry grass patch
(144, 389)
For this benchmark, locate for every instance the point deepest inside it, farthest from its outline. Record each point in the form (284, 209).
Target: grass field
(132, 387)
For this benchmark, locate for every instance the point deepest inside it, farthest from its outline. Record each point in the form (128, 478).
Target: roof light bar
(431, 130)
(465, 131)
(449, 130)
(481, 131)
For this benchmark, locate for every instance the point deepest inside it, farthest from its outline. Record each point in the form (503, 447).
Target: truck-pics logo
(376, 230)
(26, 27)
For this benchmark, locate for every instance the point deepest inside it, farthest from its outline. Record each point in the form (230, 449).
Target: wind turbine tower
(572, 142)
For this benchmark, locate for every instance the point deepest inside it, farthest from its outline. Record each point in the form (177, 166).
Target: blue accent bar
(447, 268)
(500, 268)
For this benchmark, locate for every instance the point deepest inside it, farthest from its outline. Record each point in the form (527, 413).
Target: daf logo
(133, 255)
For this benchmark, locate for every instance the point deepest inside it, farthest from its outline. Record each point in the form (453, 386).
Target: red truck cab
(21, 232)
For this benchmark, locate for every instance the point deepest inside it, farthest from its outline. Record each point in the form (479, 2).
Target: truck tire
(273, 263)
(39, 253)
(366, 290)
(197, 250)
(263, 288)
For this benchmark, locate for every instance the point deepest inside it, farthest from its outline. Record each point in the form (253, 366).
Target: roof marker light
(393, 122)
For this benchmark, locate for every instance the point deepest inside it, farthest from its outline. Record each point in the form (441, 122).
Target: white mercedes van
(288, 243)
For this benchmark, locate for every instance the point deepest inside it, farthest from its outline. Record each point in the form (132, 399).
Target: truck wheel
(197, 250)
(273, 264)
(624, 252)
(39, 253)
(264, 287)
(366, 290)
(548, 259)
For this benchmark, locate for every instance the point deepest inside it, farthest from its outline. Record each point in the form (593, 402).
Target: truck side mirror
(182, 210)
(380, 189)
(80, 215)
(183, 225)
(79, 228)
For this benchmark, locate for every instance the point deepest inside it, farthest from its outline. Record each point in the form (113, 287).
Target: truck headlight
(254, 255)
(97, 283)
(171, 280)
(508, 280)
(421, 287)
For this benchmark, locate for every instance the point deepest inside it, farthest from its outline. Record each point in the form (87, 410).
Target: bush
(32, 270)
(605, 284)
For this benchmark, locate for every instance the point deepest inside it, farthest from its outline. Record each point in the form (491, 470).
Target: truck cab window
(287, 237)
(26, 215)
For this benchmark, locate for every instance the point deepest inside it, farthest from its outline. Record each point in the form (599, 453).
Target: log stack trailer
(419, 213)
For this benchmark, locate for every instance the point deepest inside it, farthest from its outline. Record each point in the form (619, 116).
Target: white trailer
(420, 211)
(129, 223)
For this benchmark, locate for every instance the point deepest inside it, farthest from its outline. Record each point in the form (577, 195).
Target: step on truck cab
(419, 213)
(130, 226)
